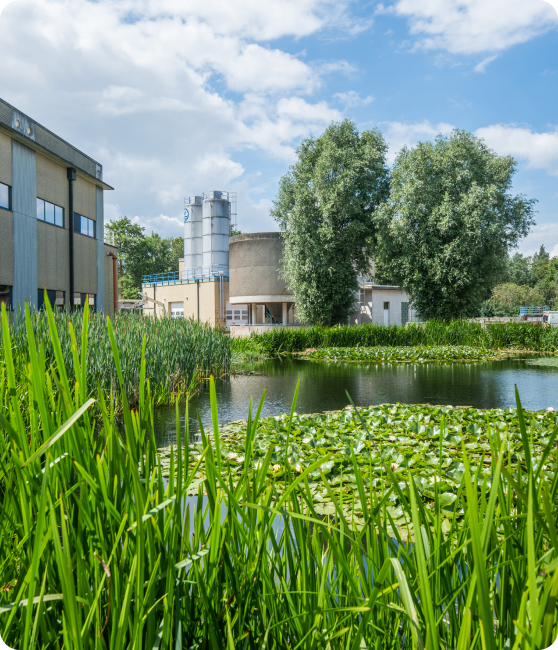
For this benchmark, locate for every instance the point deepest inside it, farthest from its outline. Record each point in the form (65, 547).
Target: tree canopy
(140, 254)
(450, 222)
(325, 208)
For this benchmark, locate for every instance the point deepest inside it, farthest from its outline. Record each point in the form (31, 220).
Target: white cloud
(538, 150)
(475, 26)
(168, 94)
(544, 234)
(400, 134)
(351, 99)
(481, 67)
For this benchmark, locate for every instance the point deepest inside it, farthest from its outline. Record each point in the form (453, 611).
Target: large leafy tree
(325, 208)
(140, 254)
(450, 222)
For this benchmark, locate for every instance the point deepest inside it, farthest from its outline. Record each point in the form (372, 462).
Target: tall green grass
(177, 352)
(516, 336)
(97, 551)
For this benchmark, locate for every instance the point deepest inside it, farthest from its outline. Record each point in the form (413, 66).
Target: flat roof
(26, 130)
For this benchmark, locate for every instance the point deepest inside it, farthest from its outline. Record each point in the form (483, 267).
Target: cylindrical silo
(216, 230)
(193, 233)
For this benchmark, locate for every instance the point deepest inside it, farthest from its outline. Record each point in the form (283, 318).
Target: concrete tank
(216, 230)
(255, 266)
(193, 233)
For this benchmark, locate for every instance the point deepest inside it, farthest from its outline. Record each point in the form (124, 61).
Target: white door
(177, 310)
(386, 313)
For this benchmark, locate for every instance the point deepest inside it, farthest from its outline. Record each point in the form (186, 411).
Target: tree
(519, 270)
(450, 222)
(325, 208)
(140, 255)
(539, 265)
(507, 298)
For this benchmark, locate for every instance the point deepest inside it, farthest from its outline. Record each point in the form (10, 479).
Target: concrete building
(255, 282)
(383, 304)
(51, 219)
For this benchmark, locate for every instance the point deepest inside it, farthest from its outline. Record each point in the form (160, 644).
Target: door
(386, 313)
(177, 310)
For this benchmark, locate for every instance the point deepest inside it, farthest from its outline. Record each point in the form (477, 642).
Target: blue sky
(176, 98)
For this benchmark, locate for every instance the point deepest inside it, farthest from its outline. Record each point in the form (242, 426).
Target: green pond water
(323, 387)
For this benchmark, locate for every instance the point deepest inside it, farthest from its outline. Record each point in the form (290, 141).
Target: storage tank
(216, 230)
(193, 233)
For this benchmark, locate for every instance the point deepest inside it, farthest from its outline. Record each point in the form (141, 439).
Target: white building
(384, 304)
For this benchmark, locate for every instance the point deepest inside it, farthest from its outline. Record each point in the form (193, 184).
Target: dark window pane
(49, 212)
(40, 209)
(59, 216)
(77, 222)
(4, 196)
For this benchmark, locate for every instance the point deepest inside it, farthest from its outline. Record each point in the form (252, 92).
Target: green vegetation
(450, 222)
(530, 281)
(98, 551)
(426, 440)
(414, 354)
(178, 352)
(140, 254)
(507, 336)
(325, 209)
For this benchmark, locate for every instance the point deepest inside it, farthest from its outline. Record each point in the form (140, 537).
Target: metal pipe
(114, 284)
(71, 174)
(198, 283)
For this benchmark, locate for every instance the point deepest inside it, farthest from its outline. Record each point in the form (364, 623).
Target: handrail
(191, 275)
(533, 310)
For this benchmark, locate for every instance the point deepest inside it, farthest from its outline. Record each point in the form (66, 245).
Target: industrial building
(236, 282)
(51, 220)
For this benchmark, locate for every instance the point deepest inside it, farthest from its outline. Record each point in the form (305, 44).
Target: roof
(21, 127)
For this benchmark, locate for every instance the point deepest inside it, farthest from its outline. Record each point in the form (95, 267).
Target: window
(50, 213)
(386, 305)
(80, 299)
(5, 196)
(84, 226)
(56, 298)
(6, 296)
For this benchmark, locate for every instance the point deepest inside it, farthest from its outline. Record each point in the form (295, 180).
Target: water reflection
(323, 386)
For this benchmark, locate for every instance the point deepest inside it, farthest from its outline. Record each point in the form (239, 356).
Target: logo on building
(186, 214)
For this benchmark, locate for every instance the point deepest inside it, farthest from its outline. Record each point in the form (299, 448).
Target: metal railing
(183, 277)
(533, 310)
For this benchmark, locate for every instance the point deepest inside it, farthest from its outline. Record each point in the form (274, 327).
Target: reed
(177, 353)
(98, 551)
(516, 336)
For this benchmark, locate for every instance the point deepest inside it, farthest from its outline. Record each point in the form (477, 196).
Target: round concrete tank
(216, 230)
(255, 267)
(193, 233)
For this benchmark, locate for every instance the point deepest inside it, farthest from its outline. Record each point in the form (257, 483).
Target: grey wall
(100, 251)
(24, 206)
(254, 267)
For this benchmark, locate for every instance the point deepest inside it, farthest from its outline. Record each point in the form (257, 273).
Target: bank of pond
(403, 526)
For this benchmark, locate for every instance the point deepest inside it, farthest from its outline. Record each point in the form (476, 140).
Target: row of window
(57, 299)
(51, 213)
(237, 314)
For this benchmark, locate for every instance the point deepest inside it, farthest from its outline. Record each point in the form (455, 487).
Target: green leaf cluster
(449, 223)
(325, 209)
(140, 254)
(408, 354)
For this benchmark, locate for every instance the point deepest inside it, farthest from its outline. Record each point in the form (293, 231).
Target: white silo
(193, 233)
(216, 230)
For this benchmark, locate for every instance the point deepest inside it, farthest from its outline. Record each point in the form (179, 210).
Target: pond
(323, 387)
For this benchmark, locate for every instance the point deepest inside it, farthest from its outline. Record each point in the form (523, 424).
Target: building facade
(51, 220)
(383, 304)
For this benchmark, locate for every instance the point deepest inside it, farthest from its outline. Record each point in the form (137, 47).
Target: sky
(178, 97)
